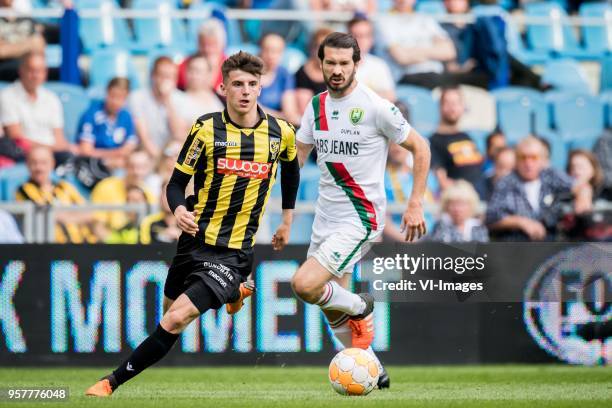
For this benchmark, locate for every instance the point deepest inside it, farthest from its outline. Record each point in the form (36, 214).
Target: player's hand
(281, 237)
(186, 220)
(413, 221)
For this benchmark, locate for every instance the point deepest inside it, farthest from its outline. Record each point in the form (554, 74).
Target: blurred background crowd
(514, 96)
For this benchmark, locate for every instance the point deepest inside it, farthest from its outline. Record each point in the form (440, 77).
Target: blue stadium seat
(595, 38)
(105, 31)
(107, 63)
(606, 99)
(555, 36)
(301, 228)
(214, 10)
(520, 112)
(75, 101)
(309, 182)
(559, 149)
(4, 84)
(432, 7)
(579, 119)
(424, 111)
(163, 31)
(177, 55)
(606, 74)
(566, 75)
(10, 180)
(293, 59)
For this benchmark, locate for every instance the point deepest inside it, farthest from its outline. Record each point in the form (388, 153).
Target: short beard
(341, 88)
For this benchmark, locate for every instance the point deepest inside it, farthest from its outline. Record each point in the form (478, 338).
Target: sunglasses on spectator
(528, 156)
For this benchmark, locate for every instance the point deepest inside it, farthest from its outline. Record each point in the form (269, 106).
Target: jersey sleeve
(192, 149)
(305, 132)
(289, 150)
(391, 123)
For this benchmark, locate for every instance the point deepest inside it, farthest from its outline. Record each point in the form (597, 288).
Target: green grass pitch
(457, 386)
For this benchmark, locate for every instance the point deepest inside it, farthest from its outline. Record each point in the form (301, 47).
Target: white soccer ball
(353, 371)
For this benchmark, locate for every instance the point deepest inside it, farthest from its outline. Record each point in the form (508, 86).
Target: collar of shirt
(228, 119)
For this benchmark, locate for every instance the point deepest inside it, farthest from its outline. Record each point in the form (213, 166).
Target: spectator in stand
(459, 221)
(157, 109)
(161, 227)
(32, 115)
(106, 130)
(527, 204)
(309, 78)
(504, 164)
(418, 44)
(495, 142)
(373, 71)
(128, 233)
(212, 40)
(603, 151)
(114, 190)
(40, 189)
(9, 232)
(454, 155)
(201, 96)
(398, 186)
(278, 85)
(583, 167)
(18, 37)
(483, 49)
(356, 6)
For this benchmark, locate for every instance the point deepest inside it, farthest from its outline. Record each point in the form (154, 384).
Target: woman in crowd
(459, 221)
(278, 85)
(584, 168)
(199, 89)
(309, 78)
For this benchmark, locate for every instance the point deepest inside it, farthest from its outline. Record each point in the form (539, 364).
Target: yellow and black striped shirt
(234, 170)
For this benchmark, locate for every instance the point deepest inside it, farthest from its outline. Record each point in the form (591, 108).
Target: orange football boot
(246, 289)
(362, 326)
(100, 389)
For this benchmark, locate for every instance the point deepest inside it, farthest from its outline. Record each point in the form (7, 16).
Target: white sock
(335, 297)
(342, 330)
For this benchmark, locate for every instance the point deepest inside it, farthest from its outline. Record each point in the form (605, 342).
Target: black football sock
(149, 352)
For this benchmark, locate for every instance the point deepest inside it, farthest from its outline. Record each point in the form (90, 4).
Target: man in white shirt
(351, 128)
(418, 44)
(373, 71)
(30, 113)
(157, 109)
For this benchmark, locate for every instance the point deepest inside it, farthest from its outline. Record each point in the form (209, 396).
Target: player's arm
(290, 181)
(413, 220)
(188, 158)
(303, 151)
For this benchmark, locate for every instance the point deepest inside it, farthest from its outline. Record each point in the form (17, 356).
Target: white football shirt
(351, 135)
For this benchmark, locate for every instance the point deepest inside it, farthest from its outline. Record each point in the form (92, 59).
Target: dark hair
(598, 177)
(160, 61)
(242, 61)
(448, 88)
(119, 82)
(492, 135)
(340, 40)
(358, 18)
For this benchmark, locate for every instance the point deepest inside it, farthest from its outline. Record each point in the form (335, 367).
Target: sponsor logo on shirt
(226, 144)
(243, 168)
(195, 150)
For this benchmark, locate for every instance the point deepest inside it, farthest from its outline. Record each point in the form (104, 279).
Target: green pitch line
(553, 386)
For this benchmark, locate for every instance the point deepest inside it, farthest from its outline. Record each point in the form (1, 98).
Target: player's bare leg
(314, 284)
(180, 313)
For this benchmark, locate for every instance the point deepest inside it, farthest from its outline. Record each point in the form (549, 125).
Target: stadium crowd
(489, 180)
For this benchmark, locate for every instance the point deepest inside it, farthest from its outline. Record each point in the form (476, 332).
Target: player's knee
(176, 320)
(304, 289)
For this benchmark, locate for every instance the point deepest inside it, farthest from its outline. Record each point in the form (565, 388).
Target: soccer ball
(353, 371)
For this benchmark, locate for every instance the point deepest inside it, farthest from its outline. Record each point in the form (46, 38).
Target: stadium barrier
(91, 305)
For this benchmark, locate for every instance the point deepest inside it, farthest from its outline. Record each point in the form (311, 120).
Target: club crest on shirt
(274, 148)
(356, 115)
